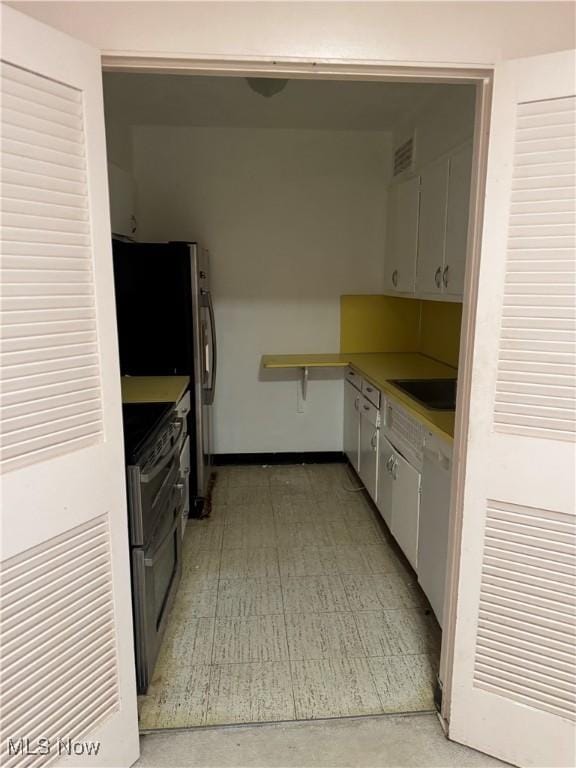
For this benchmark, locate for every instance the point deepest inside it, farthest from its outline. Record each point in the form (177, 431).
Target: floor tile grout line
(374, 683)
(211, 665)
(286, 631)
(217, 600)
(287, 641)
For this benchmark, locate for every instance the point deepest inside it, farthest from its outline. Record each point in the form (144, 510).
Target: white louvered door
(67, 664)
(513, 687)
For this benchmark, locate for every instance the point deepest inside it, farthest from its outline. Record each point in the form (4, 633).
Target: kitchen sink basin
(435, 394)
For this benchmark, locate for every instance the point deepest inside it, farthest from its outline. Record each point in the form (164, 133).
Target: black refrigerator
(166, 327)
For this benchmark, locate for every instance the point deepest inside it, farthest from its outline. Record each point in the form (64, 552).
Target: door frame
(396, 72)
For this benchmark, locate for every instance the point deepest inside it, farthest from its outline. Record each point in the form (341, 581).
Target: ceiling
(148, 99)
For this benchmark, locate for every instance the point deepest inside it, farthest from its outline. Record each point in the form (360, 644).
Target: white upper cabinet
(428, 227)
(457, 221)
(402, 241)
(432, 227)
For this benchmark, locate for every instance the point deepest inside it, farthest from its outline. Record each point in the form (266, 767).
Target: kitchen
(68, 645)
(332, 222)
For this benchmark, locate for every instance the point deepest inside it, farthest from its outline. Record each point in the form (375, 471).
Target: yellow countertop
(153, 389)
(303, 361)
(379, 368)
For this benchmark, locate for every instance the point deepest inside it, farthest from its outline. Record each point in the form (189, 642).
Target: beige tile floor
(294, 605)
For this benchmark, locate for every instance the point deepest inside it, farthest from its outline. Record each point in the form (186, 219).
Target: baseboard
(309, 457)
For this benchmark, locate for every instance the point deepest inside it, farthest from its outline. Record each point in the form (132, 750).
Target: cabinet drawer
(371, 392)
(369, 412)
(354, 378)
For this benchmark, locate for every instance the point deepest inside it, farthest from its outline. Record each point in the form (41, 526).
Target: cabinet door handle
(395, 278)
(356, 402)
(445, 276)
(389, 464)
(438, 277)
(395, 469)
(373, 439)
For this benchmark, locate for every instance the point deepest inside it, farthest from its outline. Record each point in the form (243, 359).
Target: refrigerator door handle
(211, 388)
(207, 375)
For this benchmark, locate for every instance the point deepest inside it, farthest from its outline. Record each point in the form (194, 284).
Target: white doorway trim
(399, 72)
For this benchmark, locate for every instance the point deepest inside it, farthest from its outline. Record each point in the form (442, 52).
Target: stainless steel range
(154, 435)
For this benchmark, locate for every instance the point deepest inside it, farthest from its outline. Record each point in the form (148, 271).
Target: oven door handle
(147, 477)
(170, 478)
(150, 561)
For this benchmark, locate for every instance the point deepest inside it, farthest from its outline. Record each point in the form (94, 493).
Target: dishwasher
(434, 520)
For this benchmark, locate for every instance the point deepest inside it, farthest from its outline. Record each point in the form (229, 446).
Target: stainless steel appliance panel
(156, 575)
(148, 481)
(205, 365)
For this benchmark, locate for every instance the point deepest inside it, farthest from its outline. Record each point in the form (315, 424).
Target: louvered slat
(25, 104)
(535, 392)
(14, 360)
(41, 85)
(45, 209)
(15, 176)
(55, 401)
(58, 638)
(33, 194)
(51, 400)
(35, 138)
(527, 615)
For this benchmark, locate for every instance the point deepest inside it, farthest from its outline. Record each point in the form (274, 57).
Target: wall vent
(404, 157)
(527, 619)
(49, 363)
(59, 657)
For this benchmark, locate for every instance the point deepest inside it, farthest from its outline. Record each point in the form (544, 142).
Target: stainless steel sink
(435, 394)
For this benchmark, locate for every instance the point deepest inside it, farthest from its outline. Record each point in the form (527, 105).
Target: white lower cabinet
(369, 434)
(434, 521)
(405, 507)
(352, 424)
(385, 480)
(399, 479)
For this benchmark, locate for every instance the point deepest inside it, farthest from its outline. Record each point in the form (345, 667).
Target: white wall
(118, 140)
(441, 32)
(293, 219)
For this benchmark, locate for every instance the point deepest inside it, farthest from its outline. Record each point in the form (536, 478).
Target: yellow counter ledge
(153, 389)
(379, 368)
(305, 361)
